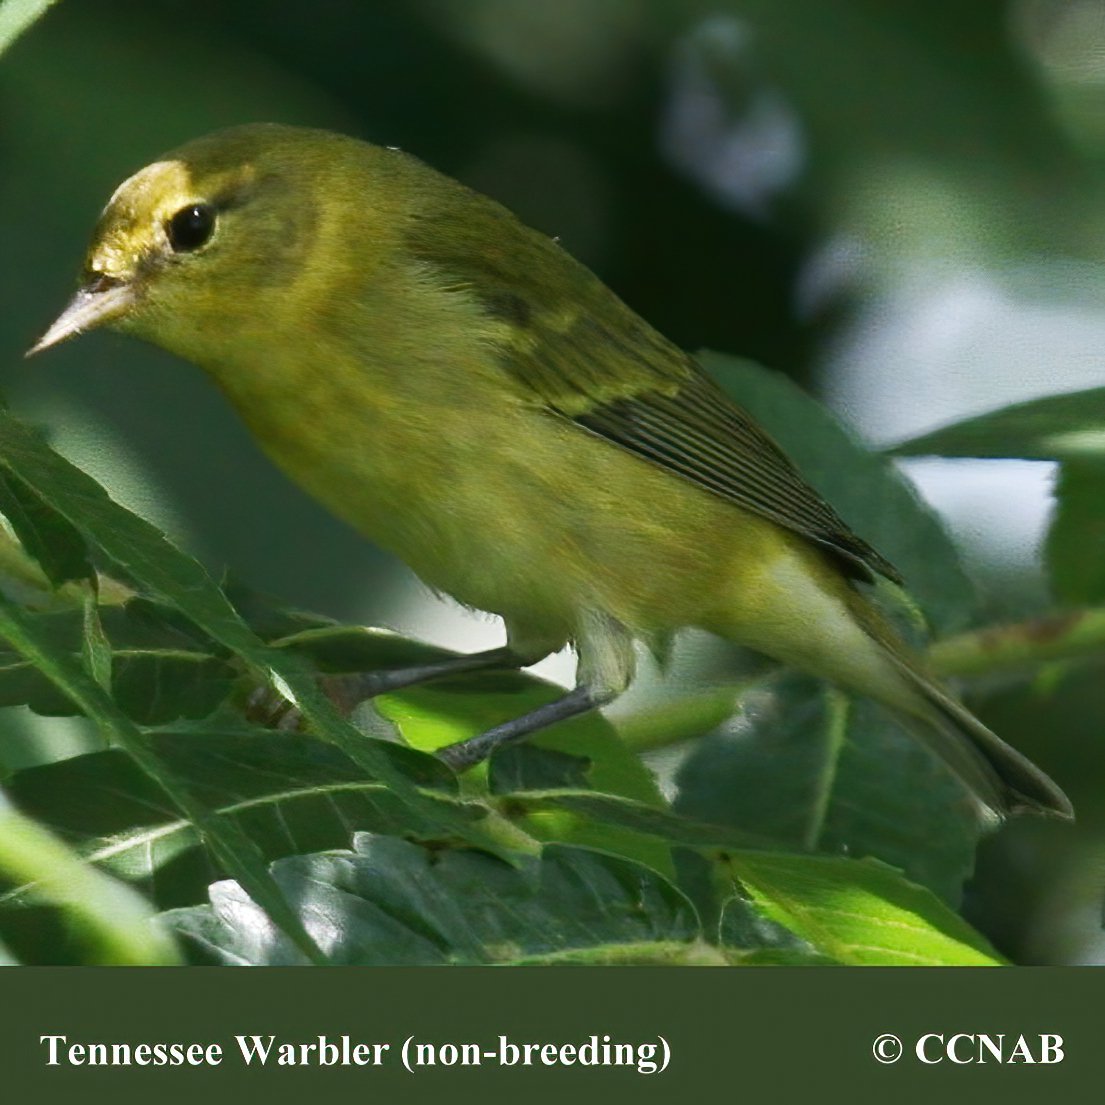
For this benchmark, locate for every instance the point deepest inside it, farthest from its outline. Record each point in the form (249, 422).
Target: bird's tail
(1002, 778)
(999, 775)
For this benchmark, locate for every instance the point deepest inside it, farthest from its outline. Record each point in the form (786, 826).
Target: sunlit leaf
(860, 912)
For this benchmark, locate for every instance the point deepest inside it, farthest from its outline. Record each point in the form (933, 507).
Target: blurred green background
(897, 202)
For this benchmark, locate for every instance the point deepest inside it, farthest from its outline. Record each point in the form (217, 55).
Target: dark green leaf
(638, 817)
(49, 538)
(1075, 549)
(864, 488)
(392, 902)
(1057, 427)
(874, 791)
(353, 648)
(235, 851)
(440, 713)
(288, 793)
(157, 674)
(526, 767)
(95, 647)
(267, 615)
(157, 688)
(177, 580)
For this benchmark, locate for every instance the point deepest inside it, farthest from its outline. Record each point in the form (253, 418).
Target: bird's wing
(699, 434)
(576, 349)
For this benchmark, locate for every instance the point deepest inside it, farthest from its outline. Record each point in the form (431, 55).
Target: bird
(470, 397)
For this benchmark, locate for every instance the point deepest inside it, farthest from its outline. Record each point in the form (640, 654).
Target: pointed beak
(100, 302)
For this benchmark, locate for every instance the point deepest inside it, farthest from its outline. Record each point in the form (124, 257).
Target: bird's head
(194, 245)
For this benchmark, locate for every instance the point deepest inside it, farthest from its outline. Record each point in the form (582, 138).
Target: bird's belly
(517, 512)
(453, 494)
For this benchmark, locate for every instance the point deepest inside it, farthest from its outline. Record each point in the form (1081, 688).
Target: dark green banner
(578, 1035)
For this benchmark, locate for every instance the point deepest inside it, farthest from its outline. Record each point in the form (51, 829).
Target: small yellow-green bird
(471, 398)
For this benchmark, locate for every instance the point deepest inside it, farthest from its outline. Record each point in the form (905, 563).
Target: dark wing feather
(700, 434)
(579, 351)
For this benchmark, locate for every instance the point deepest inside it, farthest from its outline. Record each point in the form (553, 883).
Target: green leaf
(523, 767)
(45, 535)
(1075, 549)
(235, 851)
(156, 674)
(455, 709)
(392, 902)
(760, 941)
(267, 615)
(289, 794)
(870, 789)
(1057, 427)
(354, 648)
(177, 580)
(866, 490)
(445, 711)
(95, 647)
(859, 912)
(155, 688)
(17, 16)
(639, 818)
(116, 923)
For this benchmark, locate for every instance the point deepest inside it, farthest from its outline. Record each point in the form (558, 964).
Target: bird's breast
(447, 473)
(499, 503)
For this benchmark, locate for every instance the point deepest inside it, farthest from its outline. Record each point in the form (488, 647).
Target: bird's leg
(606, 666)
(465, 754)
(347, 690)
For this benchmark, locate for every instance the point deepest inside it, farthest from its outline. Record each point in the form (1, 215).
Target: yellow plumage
(468, 396)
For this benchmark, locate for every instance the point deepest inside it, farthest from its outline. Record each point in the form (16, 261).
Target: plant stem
(835, 730)
(1067, 636)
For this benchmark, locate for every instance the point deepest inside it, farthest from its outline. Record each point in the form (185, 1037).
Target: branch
(1003, 648)
(1067, 636)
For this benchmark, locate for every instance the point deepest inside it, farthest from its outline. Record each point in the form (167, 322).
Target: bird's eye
(191, 227)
